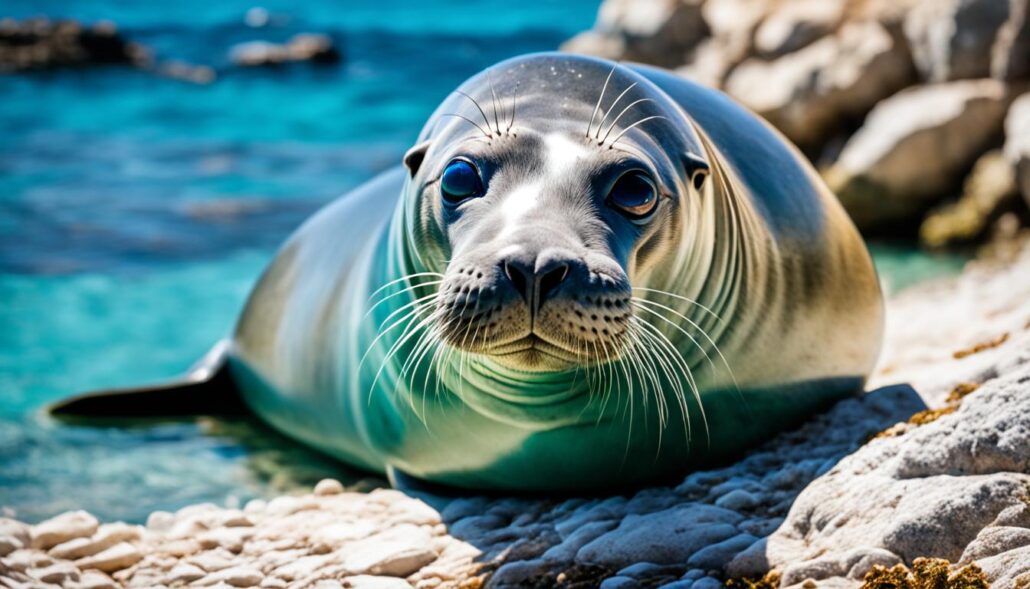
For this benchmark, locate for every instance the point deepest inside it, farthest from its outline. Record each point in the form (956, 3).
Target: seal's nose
(535, 284)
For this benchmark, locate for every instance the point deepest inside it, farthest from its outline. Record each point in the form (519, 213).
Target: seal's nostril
(551, 279)
(518, 279)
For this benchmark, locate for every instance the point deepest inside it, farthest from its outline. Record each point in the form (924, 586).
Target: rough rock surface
(808, 93)
(953, 39)
(38, 43)
(914, 146)
(822, 70)
(822, 502)
(1017, 142)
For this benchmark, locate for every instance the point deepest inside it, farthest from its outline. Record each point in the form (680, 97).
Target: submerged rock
(318, 49)
(38, 43)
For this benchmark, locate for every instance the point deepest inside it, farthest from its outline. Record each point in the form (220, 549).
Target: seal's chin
(535, 354)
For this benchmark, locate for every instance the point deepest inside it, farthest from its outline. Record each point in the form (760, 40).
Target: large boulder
(796, 24)
(915, 147)
(1017, 142)
(987, 193)
(809, 93)
(660, 32)
(1010, 57)
(953, 39)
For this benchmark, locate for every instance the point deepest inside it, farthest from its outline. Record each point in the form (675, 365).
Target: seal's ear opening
(413, 159)
(697, 170)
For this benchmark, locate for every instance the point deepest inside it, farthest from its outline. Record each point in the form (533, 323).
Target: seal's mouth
(535, 352)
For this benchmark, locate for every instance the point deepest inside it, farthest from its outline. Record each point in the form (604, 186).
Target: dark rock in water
(307, 47)
(38, 43)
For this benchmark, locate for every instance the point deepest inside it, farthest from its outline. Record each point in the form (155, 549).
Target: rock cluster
(38, 43)
(876, 482)
(895, 100)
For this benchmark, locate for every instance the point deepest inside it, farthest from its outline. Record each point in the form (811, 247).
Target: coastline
(939, 470)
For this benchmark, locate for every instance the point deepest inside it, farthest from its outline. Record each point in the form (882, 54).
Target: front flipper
(207, 389)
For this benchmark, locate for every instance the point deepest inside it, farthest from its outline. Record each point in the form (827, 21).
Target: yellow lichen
(980, 347)
(771, 580)
(926, 573)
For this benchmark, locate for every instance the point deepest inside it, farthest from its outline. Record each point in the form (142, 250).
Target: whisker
(599, 99)
(629, 128)
(611, 107)
(622, 112)
(486, 119)
(469, 121)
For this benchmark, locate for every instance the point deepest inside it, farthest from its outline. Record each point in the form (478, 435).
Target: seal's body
(585, 276)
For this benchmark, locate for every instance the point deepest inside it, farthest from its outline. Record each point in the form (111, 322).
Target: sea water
(136, 212)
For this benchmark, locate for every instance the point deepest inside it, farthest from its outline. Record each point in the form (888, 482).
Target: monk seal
(584, 276)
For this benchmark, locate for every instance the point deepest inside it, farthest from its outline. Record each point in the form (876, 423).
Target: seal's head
(545, 190)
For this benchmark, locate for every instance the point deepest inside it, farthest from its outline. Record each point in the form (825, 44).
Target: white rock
(328, 487)
(93, 579)
(806, 94)
(237, 576)
(914, 147)
(796, 24)
(375, 582)
(184, 572)
(397, 552)
(13, 536)
(64, 527)
(106, 536)
(952, 39)
(1017, 142)
(115, 558)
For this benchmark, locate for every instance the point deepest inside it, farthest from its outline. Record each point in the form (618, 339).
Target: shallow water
(136, 212)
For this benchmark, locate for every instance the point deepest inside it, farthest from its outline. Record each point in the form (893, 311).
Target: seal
(584, 276)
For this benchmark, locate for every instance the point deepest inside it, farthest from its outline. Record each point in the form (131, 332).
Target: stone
(1012, 45)
(797, 24)
(914, 147)
(662, 33)
(60, 573)
(106, 536)
(37, 44)
(62, 528)
(930, 492)
(953, 39)
(306, 47)
(809, 93)
(13, 536)
(115, 558)
(664, 537)
(184, 573)
(1017, 142)
(237, 576)
(397, 552)
(327, 487)
(93, 579)
(988, 192)
(375, 582)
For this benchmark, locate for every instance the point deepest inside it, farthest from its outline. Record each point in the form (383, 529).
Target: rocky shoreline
(916, 112)
(941, 470)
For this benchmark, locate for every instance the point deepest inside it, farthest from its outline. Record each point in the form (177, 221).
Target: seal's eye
(460, 181)
(634, 194)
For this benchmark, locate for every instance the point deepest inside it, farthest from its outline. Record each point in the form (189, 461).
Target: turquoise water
(136, 212)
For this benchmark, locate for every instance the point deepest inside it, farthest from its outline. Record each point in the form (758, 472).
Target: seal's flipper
(207, 389)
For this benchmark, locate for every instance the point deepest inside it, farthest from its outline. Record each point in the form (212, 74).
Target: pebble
(184, 572)
(62, 528)
(107, 536)
(326, 487)
(95, 580)
(115, 558)
(238, 576)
